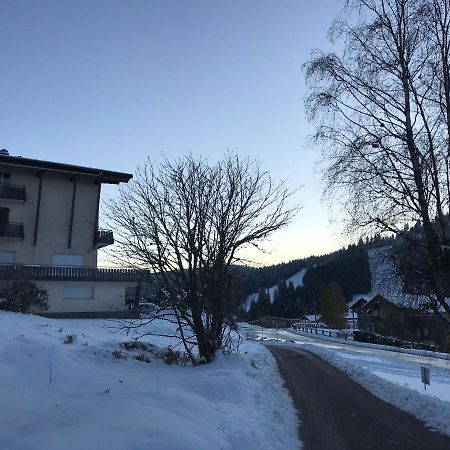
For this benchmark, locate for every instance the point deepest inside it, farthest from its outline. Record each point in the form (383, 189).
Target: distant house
(49, 233)
(384, 317)
(309, 321)
(354, 309)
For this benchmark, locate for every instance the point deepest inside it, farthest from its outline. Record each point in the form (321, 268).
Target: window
(4, 215)
(130, 294)
(78, 292)
(5, 178)
(7, 257)
(60, 259)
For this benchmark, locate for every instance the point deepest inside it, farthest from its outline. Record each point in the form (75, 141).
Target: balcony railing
(12, 192)
(11, 230)
(104, 238)
(71, 273)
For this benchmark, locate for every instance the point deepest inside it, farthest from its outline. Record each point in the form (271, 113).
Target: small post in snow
(425, 376)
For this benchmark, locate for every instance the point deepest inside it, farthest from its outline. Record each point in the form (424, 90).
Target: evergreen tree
(332, 306)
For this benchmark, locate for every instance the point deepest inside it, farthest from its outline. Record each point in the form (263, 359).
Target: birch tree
(382, 114)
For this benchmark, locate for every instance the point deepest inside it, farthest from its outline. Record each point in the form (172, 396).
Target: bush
(70, 339)
(22, 296)
(143, 357)
(447, 342)
(119, 354)
(365, 336)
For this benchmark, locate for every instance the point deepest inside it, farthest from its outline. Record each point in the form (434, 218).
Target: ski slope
(296, 280)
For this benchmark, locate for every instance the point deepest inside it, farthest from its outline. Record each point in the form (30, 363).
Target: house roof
(104, 176)
(378, 299)
(305, 317)
(357, 304)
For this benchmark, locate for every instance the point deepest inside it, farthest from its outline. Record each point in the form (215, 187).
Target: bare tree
(382, 110)
(186, 221)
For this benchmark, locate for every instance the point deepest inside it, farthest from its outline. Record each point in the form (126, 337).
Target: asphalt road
(336, 413)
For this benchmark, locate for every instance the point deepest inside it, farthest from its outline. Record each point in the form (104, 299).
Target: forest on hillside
(348, 268)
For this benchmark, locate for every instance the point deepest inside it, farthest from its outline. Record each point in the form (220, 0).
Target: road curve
(336, 413)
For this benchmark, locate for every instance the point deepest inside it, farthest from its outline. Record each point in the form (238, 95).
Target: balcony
(11, 230)
(12, 192)
(104, 238)
(73, 273)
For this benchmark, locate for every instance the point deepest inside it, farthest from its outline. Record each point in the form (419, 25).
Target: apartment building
(49, 233)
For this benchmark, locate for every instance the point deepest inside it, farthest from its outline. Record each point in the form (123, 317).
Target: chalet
(387, 318)
(308, 321)
(49, 233)
(354, 309)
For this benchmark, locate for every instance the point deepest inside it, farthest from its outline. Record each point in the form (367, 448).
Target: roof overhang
(103, 176)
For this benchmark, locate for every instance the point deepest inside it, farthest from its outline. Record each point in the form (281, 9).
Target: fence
(324, 332)
(71, 273)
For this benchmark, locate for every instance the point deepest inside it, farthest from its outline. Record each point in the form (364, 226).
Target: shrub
(170, 357)
(372, 338)
(143, 357)
(70, 339)
(22, 296)
(119, 354)
(136, 345)
(447, 343)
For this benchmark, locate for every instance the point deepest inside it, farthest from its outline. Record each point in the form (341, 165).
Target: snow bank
(77, 396)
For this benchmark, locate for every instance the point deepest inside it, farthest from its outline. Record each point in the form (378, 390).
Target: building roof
(104, 176)
(377, 300)
(356, 304)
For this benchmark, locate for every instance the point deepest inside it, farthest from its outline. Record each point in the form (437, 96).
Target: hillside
(349, 268)
(387, 282)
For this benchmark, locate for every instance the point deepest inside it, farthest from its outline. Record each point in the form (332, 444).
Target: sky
(108, 83)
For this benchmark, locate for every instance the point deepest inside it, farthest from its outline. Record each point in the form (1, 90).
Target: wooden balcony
(104, 238)
(72, 273)
(12, 192)
(11, 230)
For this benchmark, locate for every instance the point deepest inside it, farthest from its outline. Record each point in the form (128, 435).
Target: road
(336, 413)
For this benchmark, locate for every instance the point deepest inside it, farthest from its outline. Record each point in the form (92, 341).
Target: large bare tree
(187, 220)
(382, 110)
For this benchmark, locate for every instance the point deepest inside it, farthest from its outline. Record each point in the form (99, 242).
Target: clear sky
(105, 83)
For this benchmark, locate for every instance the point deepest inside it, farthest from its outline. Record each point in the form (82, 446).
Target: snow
(296, 280)
(77, 396)
(387, 282)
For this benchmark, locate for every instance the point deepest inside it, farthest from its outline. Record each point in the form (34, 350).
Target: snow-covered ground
(77, 396)
(394, 377)
(296, 280)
